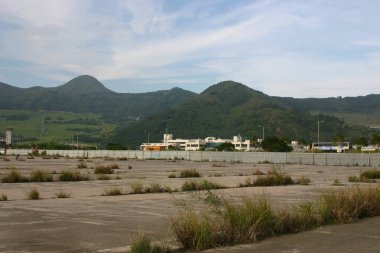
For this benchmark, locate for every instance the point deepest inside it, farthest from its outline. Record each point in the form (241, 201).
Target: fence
(338, 159)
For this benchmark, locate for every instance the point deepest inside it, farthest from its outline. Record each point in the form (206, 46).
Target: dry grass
(40, 176)
(228, 221)
(188, 173)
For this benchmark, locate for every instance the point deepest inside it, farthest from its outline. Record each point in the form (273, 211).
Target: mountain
(230, 108)
(363, 110)
(86, 94)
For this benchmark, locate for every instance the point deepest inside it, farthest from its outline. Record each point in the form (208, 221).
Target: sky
(297, 48)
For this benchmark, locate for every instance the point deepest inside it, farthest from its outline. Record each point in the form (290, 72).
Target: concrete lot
(89, 222)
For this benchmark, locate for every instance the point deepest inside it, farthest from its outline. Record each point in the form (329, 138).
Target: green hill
(363, 110)
(231, 108)
(85, 94)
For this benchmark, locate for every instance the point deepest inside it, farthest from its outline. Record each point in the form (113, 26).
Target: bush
(68, 175)
(199, 186)
(104, 169)
(33, 194)
(14, 176)
(189, 173)
(40, 176)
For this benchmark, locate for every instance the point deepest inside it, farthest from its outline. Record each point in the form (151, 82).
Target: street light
(318, 132)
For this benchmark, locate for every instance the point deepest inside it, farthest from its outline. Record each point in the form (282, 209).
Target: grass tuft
(33, 194)
(68, 175)
(13, 176)
(188, 173)
(114, 191)
(101, 169)
(3, 197)
(40, 176)
(62, 195)
(200, 186)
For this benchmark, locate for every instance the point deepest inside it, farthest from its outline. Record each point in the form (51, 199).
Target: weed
(218, 165)
(40, 176)
(68, 175)
(33, 194)
(249, 220)
(172, 175)
(337, 182)
(101, 169)
(154, 188)
(303, 181)
(258, 172)
(103, 177)
(200, 186)
(3, 197)
(142, 244)
(82, 164)
(129, 167)
(370, 174)
(273, 179)
(62, 195)
(114, 191)
(13, 176)
(137, 188)
(189, 173)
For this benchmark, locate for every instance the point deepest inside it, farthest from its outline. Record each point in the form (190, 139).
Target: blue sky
(299, 48)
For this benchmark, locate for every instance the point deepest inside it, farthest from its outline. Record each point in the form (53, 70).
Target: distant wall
(338, 159)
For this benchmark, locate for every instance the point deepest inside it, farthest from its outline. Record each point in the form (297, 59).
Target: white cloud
(292, 48)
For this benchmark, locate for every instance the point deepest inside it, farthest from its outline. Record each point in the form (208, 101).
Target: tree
(362, 141)
(227, 146)
(375, 139)
(338, 138)
(274, 144)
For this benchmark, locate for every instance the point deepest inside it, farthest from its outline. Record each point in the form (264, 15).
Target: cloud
(295, 48)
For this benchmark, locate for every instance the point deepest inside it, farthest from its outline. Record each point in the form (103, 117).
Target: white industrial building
(196, 144)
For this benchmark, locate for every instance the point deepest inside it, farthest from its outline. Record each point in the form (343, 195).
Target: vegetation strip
(224, 221)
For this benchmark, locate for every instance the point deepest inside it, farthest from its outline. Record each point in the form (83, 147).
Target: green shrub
(33, 194)
(40, 176)
(189, 173)
(13, 176)
(68, 175)
(101, 169)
